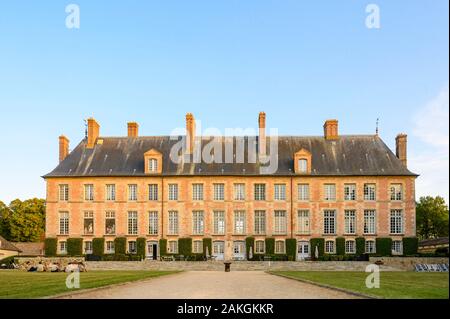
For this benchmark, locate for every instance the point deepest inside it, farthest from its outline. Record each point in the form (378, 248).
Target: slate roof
(350, 155)
(30, 249)
(6, 245)
(434, 242)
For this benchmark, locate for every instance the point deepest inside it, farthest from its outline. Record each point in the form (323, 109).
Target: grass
(25, 285)
(393, 285)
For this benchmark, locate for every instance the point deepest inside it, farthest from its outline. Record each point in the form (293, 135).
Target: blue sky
(152, 61)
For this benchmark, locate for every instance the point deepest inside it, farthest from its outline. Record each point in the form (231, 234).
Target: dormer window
(303, 165)
(302, 162)
(153, 162)
(153, 165)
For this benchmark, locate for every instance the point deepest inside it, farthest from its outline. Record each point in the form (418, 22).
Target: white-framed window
(88, 247)
(330, 247)
(64, 193)
(132, 223)
(280, 191)
(239, 191)
(198, 222)
(350, 192)
(303, 165)
(173, 192)
(370, 247)
(88, 223)
(397, 247)
(239, 222)
(219, 191)
(110, 249)
(173, 222)
(132, 192)
(197, 191)
(396, 192)
(110, 223)
(64, 223)
(396, 221)
(303, 192)
(63, 247)
(303, 222)
(260, 192)
(172, 247)
(260, 247)
(153, 223)
(89, 192)
(153, 165)
(280, 222)
(350, 222)
(197, 246)
(329, 222)
(370, 224)
(350, 247)
(219, 223)
(330, 192)
(132, 247)
(260, 222)
(111, 192)
(370, 192)
(153, 192)
(280, 247)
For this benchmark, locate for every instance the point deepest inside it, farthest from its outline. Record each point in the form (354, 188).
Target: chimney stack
(93, 132)
(262, 134)
(133, 129)
(63, 148)
(331, 130)
(190, 133)
(401, 143)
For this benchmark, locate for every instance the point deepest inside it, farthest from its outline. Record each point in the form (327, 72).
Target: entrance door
(152, 250)
(218, 250)
(303, 250)
(239, 250)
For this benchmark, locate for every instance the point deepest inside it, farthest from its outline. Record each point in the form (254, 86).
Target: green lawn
(393, 285)
(23, 285)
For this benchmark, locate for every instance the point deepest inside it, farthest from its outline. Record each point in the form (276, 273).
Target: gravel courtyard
(215, 285)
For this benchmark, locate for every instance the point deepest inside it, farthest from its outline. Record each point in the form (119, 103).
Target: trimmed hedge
(291, 249)
(340, 246)
(50, 245)
(74, 246)
(98, 246)
(410, 246)
(207, 242)
(317, 242)
(250, 245)
(120, 246)
(360, 246)
(270, 246)
(140, 247)
(163, 247)
(185, 246)
(384, 246)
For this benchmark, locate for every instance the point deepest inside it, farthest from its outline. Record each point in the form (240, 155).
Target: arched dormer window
(153, 162)
(302, 162)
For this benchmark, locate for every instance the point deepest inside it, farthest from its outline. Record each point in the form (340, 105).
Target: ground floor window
(370, 247)
(110, 247)
(280, 247)
(350, 247)
(329, 247)
(260, 247)
(132, 249)
(173, 247)
(88, 247)
(63, 247)
(397, 247)
(197, 247)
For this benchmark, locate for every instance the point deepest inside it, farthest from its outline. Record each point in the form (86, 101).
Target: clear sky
(152, 61)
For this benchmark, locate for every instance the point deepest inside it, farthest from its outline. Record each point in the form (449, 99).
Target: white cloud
(431, 160)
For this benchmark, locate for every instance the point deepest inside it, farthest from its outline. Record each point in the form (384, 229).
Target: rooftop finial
(377, 129)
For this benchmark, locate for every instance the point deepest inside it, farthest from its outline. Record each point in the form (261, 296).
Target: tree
(432, 217)
(23, 221)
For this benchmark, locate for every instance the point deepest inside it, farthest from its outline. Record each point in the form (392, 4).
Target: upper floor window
(219, 223)
(239, 222)
(329, 222)
(350, 192)
(396, 192)
(280, 192)
(350, 222)
(198, 223)
(280, 222)
(110, 192)
(88, 223)
(260, 192)
(88, 192)
(303, 165)
(173, 223)
(197, 191)
(153, 165)
(330, 192)
(64, 223)
(219, 191)
(132, 192)
(132, 223)
(396, 221)
(303, 223)
(153, 192)
(303, 192)
(370, 225)
(153, 223)
(173, 191)
(110, 223)
(64, 193)
(370, 193)
(260, 222)
(239, 191)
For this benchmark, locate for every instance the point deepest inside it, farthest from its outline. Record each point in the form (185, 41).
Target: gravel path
(215, 285)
